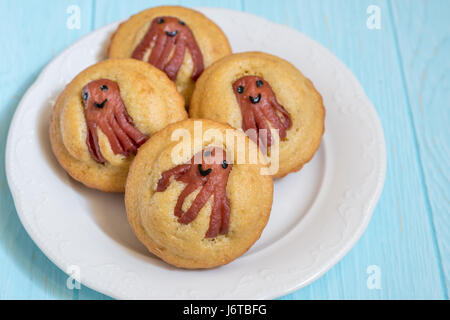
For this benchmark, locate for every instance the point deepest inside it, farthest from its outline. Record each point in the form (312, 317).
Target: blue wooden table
(399, 50)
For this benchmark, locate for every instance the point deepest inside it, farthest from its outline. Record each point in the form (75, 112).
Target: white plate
(318, 213)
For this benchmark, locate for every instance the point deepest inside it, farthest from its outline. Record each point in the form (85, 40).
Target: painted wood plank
(43, 279)
(32, 33)
(108, 11)
(426, 69)
(399, 239)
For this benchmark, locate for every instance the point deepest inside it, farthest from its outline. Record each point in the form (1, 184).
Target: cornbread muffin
(105, 114)
(193, 199)
(257, 91)
(180, 41)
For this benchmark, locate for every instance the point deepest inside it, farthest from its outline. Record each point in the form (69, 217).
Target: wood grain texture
(107, 11)
(404, 68)
(424, 57)
(399, 239)
(32, 34)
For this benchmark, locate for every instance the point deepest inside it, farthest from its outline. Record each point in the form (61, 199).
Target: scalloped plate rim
(275, 293)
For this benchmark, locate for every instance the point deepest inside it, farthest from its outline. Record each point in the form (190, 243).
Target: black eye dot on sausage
(259, 83)
(240, 89)
(104, 87)
(224, 164)
(181, 22)
(85, 95)
(161, 21)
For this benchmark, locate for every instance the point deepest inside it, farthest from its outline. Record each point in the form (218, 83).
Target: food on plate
(269, 99)
(179, 41)
(197, 203)
(105, 114)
